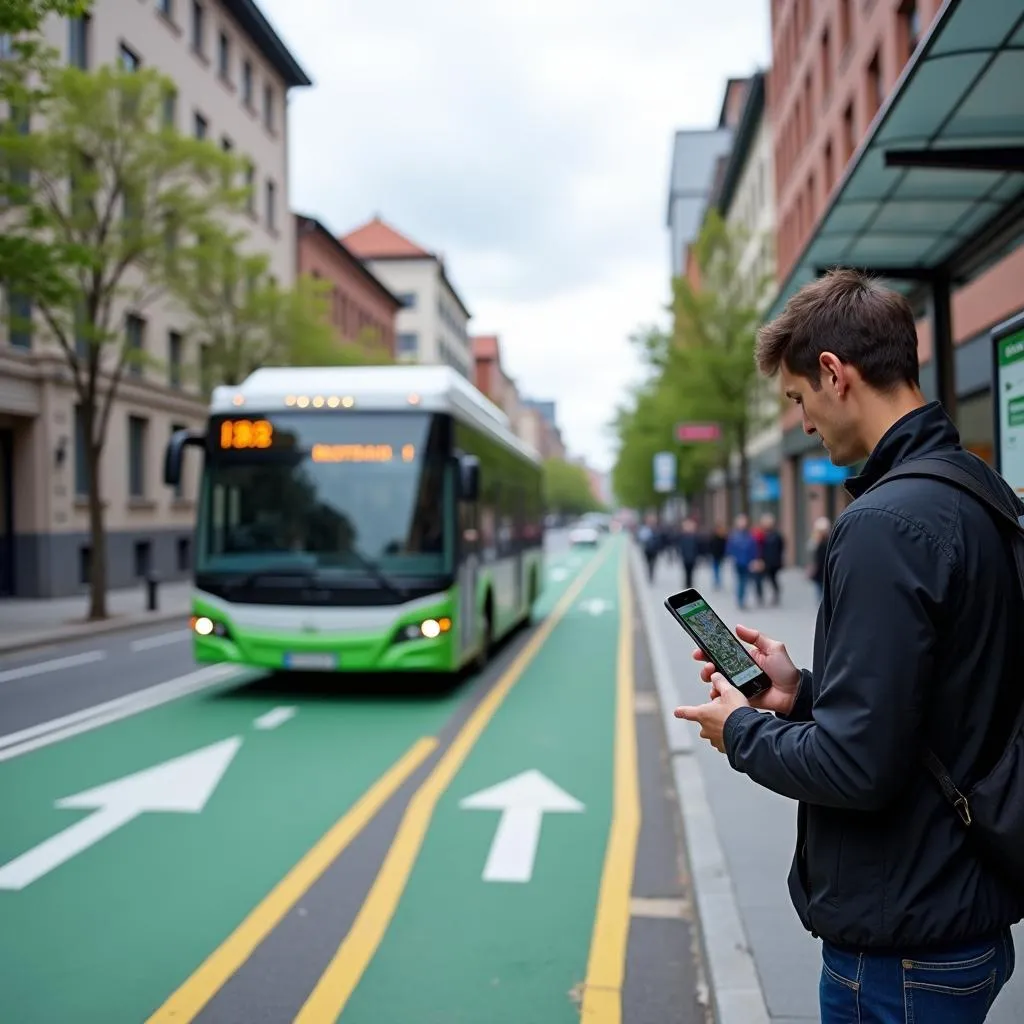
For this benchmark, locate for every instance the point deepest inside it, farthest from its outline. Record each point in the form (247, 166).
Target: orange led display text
(242, 435)
(352, 453)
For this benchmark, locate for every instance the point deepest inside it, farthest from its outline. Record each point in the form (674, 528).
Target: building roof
(485, 346)
(935, 187)
(254, 23)
(310, 225)
(746, 131)
(376, 240)
(694, 152)
(734, 88)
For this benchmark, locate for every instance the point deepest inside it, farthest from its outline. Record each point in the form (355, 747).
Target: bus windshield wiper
(376, 572)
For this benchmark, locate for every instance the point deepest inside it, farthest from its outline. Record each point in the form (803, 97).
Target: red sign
(698, 431)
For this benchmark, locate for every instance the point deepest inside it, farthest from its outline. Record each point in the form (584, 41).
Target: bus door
(469, 560)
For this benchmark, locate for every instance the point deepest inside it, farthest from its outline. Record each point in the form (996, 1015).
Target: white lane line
(46, 733)
(147, 643)
(40, 668)
(272, 719)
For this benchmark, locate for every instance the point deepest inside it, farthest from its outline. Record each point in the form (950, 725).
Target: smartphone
(718, 642)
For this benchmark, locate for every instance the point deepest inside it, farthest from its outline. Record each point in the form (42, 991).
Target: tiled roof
(377, 240)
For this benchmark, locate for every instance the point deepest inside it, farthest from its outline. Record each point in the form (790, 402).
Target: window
(137, 427)
(849, 133)
(844, 26)
(226, 144)
(201, 126)
(268, 108)
(224, 57)
(81, 454)
(830, 174)
(910, 17)
(198, 27)
(129, 59)
(250, 184)
(135, 330)
(271, 205)
(247, 83)
(179, 489)
(184, 554)
(84, 564)
(174, 348)
(79, 41)
(20, 321)
(170, 109)
(407, 344)
(875, 86)
(143, 558)
(826, 67)
(166, 8)
(407, 299)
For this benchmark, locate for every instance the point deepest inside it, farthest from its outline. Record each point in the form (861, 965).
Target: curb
(736, 993)
(68, 634)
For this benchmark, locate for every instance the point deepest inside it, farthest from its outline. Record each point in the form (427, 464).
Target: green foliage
(17, 16)
(704, 370)
(102, 198)
(567, 488)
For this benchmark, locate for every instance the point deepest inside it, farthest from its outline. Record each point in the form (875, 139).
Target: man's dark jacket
(918, 640)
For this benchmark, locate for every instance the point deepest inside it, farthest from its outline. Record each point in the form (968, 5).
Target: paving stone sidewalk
(757, 828)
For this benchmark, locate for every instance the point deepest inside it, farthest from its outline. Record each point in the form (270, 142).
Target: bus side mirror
(180, 439)
(469, 478)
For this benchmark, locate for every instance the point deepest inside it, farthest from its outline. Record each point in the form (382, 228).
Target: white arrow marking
(595, 606)
(181, 785)
(522, 800)
(558, 575)
(272, 719)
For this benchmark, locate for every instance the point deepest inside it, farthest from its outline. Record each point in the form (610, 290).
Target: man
(742, 548)
(773, 546)
(916, 643)
(689, 550)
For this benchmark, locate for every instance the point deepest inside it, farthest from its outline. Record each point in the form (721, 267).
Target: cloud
(527, 142)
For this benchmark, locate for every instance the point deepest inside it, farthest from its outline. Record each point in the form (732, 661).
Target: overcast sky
(529, 142)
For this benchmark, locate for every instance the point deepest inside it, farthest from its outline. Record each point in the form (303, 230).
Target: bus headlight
(203, 625)
(428, 629)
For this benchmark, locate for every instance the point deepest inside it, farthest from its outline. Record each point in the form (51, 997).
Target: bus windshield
(335, 494)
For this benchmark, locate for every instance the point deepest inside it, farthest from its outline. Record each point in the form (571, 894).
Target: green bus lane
(181, 820)
(496, 921)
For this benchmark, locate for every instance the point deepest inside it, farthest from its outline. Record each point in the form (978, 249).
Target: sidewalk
(755, 828)
(27, 623)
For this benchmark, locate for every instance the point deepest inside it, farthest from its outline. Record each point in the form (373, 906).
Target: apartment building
(233, 75)
(835, 64)
(432, 323)
(361, 308)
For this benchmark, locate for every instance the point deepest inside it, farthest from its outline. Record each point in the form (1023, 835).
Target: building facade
(432, 325)
(834, 65)
(233, 75)
(361, 309)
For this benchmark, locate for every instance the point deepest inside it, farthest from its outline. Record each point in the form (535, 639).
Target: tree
(105, 195)
(709, 365)
(567, 488)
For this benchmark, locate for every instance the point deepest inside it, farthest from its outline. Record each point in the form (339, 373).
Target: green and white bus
(357, 519)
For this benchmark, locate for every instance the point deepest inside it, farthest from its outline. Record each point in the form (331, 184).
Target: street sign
(664, 472)
(689, 432)
(1008, 393)
(181, 785)
(523, 801)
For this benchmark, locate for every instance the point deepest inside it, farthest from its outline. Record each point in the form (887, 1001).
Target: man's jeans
(956, 986)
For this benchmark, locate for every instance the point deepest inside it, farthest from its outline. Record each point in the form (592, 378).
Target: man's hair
(851, 315)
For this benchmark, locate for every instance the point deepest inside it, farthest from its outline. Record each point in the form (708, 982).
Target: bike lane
(103, 921)
(497, 919)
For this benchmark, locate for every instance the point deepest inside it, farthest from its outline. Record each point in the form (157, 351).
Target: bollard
(151, 593)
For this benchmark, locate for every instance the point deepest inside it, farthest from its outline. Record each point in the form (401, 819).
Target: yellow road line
(337, 983)
(606, 968)
(190, 998)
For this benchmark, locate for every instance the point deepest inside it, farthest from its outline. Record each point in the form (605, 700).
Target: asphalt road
(186, 843)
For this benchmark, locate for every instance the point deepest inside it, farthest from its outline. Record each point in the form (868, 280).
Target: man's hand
(771, 657)
(725, 699)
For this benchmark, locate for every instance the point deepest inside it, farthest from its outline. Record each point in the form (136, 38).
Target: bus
(360, 519)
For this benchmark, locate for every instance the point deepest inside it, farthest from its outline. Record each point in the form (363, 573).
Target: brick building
(362, 310)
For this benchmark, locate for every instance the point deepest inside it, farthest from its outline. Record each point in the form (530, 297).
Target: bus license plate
(322, 662)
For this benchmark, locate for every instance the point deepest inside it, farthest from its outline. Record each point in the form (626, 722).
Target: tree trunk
(98, 555)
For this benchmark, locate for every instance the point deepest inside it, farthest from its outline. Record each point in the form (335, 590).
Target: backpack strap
(934, 467)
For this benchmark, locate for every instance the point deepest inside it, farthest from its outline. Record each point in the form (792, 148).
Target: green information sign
(1009, 385)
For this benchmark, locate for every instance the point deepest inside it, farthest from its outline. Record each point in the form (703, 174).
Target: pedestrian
(649, 538)
(717, 542)
(817, 546)
(741, 547)
(773, 548)
(689, 551)
(909, 655)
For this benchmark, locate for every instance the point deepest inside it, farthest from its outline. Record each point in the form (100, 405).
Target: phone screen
(718, 642)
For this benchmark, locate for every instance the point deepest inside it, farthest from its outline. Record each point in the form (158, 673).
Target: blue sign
(765, 487)
(822, 471)
(664, 472)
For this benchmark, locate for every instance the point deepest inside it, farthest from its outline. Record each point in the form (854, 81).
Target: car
(583, 535)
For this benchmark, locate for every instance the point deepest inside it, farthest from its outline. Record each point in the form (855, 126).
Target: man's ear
(834, 373)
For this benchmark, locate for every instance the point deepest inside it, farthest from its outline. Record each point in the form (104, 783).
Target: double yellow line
(328, 998)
